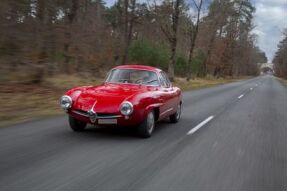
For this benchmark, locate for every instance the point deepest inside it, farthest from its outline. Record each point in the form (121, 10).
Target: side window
(166, 80)
(162, 81)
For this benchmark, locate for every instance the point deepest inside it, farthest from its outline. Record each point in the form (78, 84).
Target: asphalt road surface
(231, 137)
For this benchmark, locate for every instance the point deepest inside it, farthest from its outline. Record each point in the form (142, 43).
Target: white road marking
(200, 125)
(241, 96)
(251, 89)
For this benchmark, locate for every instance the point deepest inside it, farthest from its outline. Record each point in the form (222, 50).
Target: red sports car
(132, 95)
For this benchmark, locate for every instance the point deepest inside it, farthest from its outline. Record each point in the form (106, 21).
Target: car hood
(105, 98)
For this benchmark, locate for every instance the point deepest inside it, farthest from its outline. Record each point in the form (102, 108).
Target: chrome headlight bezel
(126, 108)
(66, 102)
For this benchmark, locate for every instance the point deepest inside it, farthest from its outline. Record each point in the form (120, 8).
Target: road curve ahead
(231, 137)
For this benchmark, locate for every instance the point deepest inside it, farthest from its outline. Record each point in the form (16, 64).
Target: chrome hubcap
(178, 111)
(150, 122)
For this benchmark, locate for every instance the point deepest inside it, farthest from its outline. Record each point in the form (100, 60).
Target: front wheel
(76, 125)
(147, 127)
(174, 118)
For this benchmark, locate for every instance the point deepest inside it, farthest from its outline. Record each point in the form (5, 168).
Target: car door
(166, 97)
(172, 94)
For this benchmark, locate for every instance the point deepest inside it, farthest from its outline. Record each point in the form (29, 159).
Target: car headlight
(126, 108)
(66, 102)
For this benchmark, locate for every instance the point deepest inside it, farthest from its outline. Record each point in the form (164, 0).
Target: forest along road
(231, 137)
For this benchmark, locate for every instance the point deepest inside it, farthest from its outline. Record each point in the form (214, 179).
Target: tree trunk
(172, 61)
(193, 39)
(68, 34)
(129, 22)
(173, 40)
(42, 46)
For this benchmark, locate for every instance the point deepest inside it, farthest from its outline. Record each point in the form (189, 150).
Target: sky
(270, 19)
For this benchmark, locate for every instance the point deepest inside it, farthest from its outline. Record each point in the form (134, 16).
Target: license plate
(107, 121)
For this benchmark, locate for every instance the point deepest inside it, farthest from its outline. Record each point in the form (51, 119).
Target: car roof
(139, 67)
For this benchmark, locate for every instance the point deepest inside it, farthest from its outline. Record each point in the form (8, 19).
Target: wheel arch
(155, 108)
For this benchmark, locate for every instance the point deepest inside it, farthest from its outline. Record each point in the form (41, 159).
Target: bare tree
(216, 20)
(280, 59)
(71, 14)
(170, 30)
(85, 36)
(193, 31)
(129, 19)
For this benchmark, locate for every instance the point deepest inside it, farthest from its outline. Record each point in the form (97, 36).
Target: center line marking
(200, 125)
(241, 96)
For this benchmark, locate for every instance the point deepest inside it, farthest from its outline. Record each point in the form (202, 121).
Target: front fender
(151, 107)
(144, 103)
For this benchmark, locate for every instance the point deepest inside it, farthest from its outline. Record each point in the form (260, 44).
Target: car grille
(99, 115)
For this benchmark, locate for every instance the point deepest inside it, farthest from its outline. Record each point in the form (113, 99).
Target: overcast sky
(270, 21)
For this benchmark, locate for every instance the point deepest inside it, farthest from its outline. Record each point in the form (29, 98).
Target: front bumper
(105, 118)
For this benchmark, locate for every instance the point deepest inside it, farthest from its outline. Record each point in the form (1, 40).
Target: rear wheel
(174, 118)
(147, 127)
(76, 125)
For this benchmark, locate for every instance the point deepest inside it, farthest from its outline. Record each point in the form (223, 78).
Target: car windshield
(132, 76)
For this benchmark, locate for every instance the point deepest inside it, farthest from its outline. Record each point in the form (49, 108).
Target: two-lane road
(231, 137)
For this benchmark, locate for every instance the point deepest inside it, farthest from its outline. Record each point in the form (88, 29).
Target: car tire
(174, 118)
(147, 127)
(76, 125)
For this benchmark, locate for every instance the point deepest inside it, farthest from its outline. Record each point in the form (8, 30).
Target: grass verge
(201, 83)
(24, 102)
(283, 81)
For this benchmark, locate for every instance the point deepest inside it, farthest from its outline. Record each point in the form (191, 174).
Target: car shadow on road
(119, 133)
